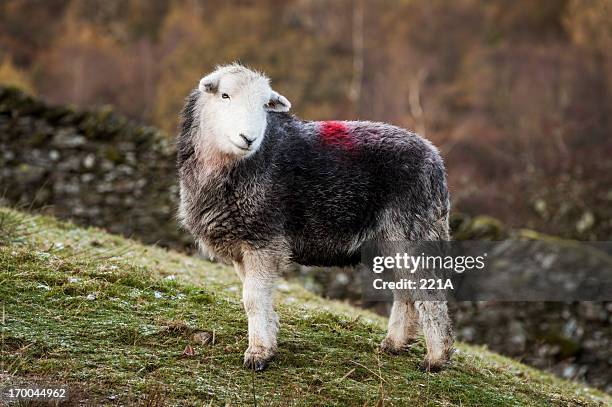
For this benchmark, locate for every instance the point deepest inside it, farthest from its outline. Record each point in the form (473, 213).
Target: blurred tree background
(517, 95)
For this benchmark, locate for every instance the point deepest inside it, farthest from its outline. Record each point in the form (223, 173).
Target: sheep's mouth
(242, 148)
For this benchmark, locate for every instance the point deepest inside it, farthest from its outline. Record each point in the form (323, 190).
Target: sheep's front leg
(257, 296)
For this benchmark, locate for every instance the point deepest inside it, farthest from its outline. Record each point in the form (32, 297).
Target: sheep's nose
(247, 140)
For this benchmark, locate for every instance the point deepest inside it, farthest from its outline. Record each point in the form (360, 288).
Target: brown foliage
(517, 95)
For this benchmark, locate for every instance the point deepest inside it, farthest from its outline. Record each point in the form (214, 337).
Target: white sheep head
(235, 102)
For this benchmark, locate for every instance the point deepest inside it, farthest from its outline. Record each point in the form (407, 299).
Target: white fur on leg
(257, 297)
(403, 326)
(437, 330)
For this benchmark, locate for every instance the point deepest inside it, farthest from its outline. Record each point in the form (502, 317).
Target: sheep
(262, 189)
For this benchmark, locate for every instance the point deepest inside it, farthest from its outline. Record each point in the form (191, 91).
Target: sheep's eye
(225, 96)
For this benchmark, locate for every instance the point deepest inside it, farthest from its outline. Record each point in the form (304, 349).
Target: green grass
(110, 318)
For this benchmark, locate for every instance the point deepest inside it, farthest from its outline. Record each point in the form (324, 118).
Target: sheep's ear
(277, 103)
(210, 83)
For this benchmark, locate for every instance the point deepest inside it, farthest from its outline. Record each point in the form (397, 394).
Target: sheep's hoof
(433, 365)
(256, 365)
(257, 360)
(388, 345)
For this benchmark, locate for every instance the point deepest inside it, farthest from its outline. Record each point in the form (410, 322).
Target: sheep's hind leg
(403, 327)
(438, 333)
(260, 274)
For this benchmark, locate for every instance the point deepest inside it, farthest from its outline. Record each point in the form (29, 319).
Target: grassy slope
(101, 313)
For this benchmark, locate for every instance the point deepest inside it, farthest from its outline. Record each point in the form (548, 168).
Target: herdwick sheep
(261, 188)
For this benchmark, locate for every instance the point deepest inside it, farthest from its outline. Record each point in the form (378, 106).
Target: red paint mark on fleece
(336, 133)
